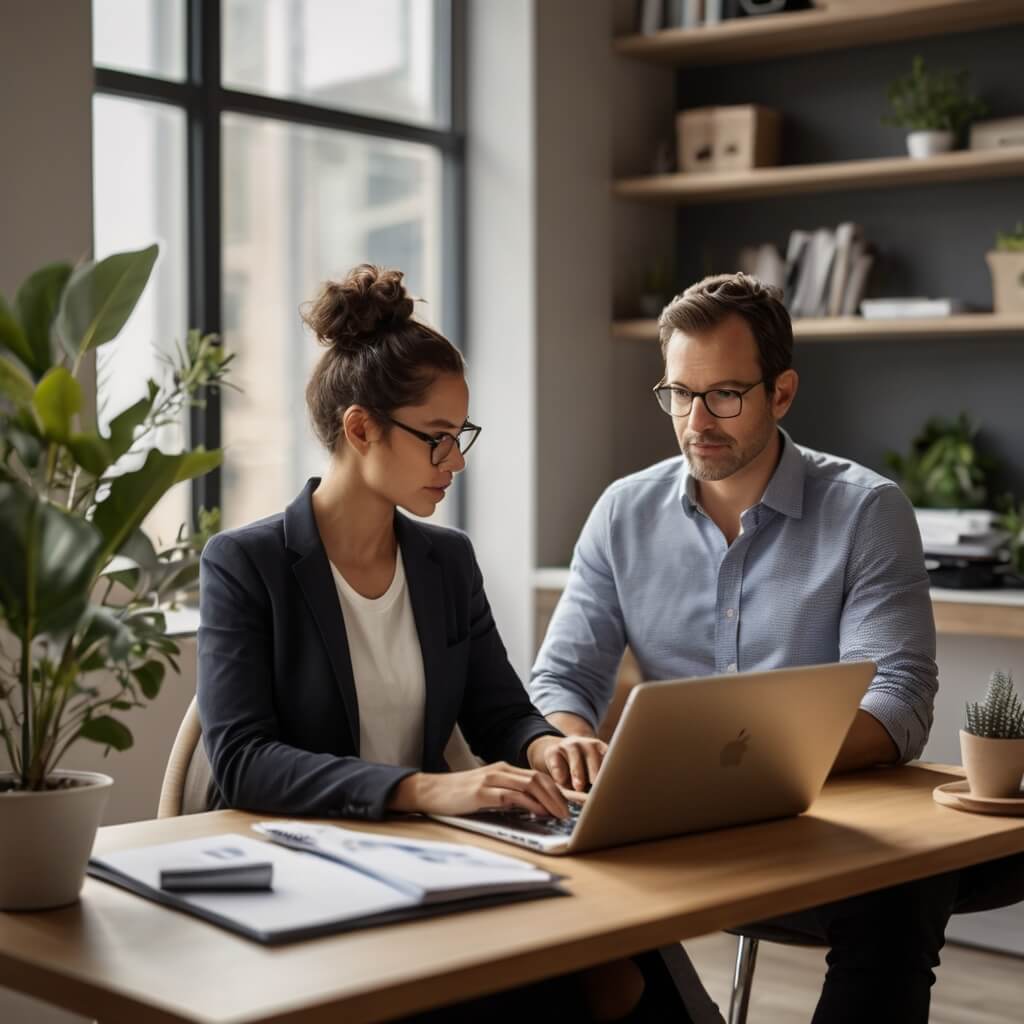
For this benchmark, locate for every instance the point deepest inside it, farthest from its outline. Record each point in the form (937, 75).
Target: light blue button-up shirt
(827, 567)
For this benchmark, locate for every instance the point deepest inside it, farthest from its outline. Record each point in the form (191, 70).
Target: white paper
(425, 869)
(308, 891)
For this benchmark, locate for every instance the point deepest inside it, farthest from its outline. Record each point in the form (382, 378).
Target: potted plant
(1006, 264)
(944, 468)
(935, 108)
(992, 740)
(1012, 521)
(655, 289)
(82, 635)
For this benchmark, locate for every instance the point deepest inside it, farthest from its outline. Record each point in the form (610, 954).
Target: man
(749, 553)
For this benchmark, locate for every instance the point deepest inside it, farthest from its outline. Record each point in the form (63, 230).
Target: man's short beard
(737, 459)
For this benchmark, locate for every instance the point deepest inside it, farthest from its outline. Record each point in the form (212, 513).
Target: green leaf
(26, 444)
(150, 677)
(36, 305)
(108, 731)
(133, 495)
(48, 558)
(100, 297)
(14, 384)
(124, 424)
(91, 452)
(12, 337)
(57, 399)
(104, 624)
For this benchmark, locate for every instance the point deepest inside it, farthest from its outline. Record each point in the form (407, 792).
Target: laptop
(695, 754)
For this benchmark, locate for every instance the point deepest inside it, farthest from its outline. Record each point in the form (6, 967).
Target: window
(269, 145)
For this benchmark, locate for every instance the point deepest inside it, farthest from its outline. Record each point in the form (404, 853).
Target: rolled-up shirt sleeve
(887, 618)
(578, 662)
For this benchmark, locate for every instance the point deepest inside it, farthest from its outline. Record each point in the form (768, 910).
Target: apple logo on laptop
(733, 751)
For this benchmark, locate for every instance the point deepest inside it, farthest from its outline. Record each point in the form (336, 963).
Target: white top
(387, 665)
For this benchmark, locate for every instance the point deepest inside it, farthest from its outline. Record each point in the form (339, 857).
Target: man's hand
(570, 724)
(572, 761)
(867, 744)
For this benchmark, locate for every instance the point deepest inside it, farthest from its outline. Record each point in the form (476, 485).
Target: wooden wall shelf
(782, 35)
(856, 328)
(802, 179)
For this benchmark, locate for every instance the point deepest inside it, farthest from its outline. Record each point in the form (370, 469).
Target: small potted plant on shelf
(655, 289)
(82, 634)
(944, 468)
(1012, 521)
(992, 740)
(934, 107)
(1006, 264)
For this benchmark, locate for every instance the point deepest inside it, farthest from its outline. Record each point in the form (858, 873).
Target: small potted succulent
(1006, 263)
(992, 740)
(934, 107)
(83, 637)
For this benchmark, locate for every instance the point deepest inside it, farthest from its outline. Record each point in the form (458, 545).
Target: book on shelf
(849, 245)
(827, 271)
(863, 259)
(651, 16)
(914, 307)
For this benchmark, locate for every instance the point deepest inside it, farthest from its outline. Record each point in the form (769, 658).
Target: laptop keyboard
(524, 821)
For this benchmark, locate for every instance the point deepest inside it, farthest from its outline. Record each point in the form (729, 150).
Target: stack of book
(962, 548)
(827, 271)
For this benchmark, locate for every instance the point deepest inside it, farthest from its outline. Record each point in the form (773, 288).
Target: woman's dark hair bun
(352, 313)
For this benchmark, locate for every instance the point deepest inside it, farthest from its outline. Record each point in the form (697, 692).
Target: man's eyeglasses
(723, 403)
(441, 444)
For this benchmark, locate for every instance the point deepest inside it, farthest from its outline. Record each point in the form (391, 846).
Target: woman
(341, 641)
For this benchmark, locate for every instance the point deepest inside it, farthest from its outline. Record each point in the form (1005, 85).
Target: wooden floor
(973, 986)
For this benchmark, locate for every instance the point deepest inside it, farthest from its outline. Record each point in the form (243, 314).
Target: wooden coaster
(958, 796)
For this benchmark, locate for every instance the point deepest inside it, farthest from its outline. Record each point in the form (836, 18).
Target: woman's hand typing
(498, 785)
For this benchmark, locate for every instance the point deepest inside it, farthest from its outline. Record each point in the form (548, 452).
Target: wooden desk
(123, 959)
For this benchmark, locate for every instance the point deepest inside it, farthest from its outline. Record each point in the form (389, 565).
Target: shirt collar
(785, 490)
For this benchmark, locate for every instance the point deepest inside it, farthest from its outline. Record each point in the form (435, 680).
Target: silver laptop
(696, 754)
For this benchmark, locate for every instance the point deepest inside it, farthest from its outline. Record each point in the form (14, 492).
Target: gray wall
(861, 399)
(45, 107)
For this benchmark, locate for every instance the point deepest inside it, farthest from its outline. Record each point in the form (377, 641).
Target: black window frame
(204, 100)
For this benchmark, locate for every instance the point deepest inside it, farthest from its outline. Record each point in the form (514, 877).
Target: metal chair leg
(743, 979)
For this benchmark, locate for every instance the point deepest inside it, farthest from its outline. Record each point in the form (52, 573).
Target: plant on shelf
(934, 107)
(1011, 241)
(655, 289)
(944, 468)
(1006, 264)
(992, 740)
(82, 635)
(1012, 521)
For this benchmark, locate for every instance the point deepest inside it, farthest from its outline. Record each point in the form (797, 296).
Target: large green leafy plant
(944, 468)
(932, 101)
(82, 636)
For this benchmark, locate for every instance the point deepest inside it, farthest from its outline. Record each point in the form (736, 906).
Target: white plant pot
(994, 767)
(46, 838)
(922, 145)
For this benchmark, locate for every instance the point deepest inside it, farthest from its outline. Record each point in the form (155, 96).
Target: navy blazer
(276, 693)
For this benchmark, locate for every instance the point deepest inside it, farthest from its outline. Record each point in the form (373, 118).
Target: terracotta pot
(922, 145)
(46, 838)
(994, 766)
(1007, 270)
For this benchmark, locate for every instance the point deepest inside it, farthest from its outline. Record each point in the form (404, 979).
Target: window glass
(301, 205)
(371, 58)
(146, 37)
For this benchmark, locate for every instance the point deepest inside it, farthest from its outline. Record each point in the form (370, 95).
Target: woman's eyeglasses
(441, 444)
